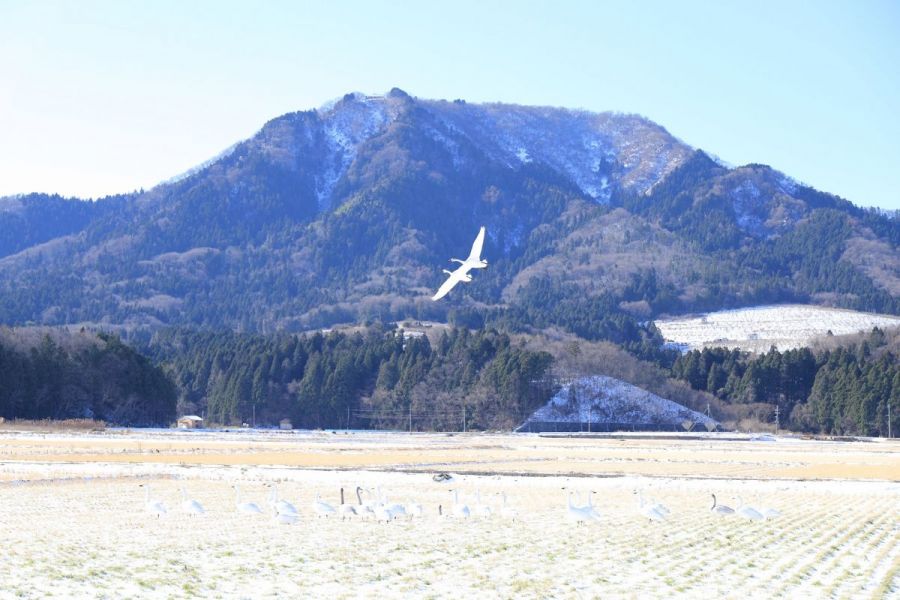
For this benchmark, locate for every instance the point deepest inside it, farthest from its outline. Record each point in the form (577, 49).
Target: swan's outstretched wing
(454, 278)
(475, 254)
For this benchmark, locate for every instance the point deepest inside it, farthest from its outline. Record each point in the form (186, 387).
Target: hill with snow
(602, 403)
(758, 328)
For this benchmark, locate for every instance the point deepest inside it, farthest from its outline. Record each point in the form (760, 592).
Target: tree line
(842, 390)
(376, 377)
(58, 375)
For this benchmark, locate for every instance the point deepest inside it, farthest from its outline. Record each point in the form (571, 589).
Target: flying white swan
(189, 505)
(474, 261)
(720, 509)
(248, 508)
(153, 506)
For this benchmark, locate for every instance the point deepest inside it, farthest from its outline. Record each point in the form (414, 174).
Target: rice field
(74, 524)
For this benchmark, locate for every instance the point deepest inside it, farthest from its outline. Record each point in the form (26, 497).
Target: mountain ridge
(346, 212)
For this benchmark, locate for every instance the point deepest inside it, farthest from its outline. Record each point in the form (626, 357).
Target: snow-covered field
(759, 328)
(74, 524)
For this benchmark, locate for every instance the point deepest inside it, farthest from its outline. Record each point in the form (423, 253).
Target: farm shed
(190, 422)
(286, 424)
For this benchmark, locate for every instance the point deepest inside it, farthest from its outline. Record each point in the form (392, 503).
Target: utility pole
(889, 418)
(464, 418)
(348, 417)
(254, 416)
(777, 415)
(410, 418)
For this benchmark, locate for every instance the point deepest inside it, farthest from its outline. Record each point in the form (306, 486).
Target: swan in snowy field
(189, 505)
(286, 518)
(481, 510)
(414, 509)
(748, 512)
(720, 509)
(247, 508)
(364, 510)
(396, 510)
(322, 508)
(654, 512)
(474, 261)
(581, 514)
(152, 505)
(507, 512)
(347, 510)
(281, 506)
(460, 511)
(768, 513)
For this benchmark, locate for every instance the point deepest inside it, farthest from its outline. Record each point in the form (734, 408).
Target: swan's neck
(358, 495)
(713, 507)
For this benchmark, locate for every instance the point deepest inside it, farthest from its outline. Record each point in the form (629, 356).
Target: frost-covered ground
(75, 528)
(759, 328)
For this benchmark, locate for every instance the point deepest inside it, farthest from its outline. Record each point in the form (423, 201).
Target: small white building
(190, 422)
(285, 424)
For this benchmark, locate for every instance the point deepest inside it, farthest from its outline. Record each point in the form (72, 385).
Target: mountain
(596, 222)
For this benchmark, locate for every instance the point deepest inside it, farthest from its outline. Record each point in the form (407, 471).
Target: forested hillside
(843, 390)
(54, 374)
(348, 213)
(374, 378)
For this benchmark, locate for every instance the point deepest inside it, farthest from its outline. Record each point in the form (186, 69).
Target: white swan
(281, 506)
(364, 510)
(414, 509)
(748, 512)
(580, 514)
(247, 508)
(506, 511)
(474, 261)
(189, 505)
(651, 511)
(460, 511)
(153, 506)
(768, 513)
(720, 509)
(481, 510)
(322, 508)
(396, 510)
(347, 510)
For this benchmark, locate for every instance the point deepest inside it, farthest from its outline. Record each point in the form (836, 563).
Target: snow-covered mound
(606, 402)
(759, 328)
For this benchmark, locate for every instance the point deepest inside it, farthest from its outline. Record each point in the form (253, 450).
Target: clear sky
(104, 97)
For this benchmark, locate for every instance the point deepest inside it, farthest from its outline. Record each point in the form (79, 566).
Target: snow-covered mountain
(346, 213)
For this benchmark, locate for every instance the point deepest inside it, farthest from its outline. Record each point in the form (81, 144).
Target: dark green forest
(58, 375)
(845, 390)
(372, 378)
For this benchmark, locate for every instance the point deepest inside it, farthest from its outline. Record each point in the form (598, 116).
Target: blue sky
(104, 97)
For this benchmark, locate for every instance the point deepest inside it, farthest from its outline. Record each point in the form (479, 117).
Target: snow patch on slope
(759, 328)
(601, 399)
(346, 124)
